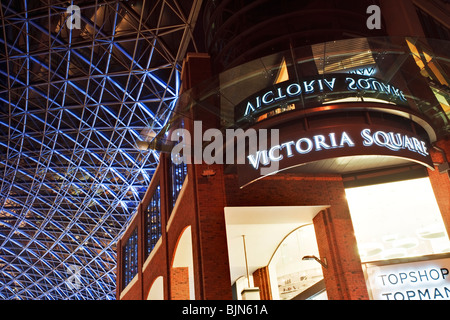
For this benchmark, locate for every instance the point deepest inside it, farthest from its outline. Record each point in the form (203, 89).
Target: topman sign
(336, 86)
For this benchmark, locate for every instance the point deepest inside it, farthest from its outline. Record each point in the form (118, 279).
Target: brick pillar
(440, 181)
(262, 281)
(212, 237)
(210, 244)
(344, 278)
(180, 283)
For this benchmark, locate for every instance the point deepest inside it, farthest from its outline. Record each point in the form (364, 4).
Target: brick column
(440, 181)
(262, 281)
(344, 278)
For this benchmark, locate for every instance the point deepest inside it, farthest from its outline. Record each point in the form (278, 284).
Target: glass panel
(402, 72)
(130, 258)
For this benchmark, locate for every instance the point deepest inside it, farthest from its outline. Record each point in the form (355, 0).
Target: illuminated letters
(346, 139)
(373, 84)
(297, 88)
(302, 146)
(288, 146)
(393, 141)
(319, 142)
(271, 155)
(347, 85)
(419, 284)
(367, 71)
(284, 92)
(309, 88)
(298, 145)
(252, 145)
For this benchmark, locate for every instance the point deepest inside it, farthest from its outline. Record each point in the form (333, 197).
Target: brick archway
(181, 271)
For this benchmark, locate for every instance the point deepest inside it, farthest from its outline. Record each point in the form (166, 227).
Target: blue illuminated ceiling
(76, 109)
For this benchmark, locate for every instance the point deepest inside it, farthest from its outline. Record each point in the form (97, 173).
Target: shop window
(178, 174)
(153, 221)
(130, 258)
(397, 220)
(290, 275)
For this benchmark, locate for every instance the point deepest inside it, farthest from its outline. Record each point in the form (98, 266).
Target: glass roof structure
(84, 87)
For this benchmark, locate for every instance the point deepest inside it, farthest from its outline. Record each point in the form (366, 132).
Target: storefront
(339, 192)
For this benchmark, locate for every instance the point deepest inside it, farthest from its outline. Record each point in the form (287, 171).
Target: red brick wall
(180, 283)
(202, 205)
(286, 190)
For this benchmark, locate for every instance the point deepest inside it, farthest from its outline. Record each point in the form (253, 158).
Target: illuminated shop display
(403, 232)
(388, 227)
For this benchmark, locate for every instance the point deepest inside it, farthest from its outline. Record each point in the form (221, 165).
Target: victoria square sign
(297, 148)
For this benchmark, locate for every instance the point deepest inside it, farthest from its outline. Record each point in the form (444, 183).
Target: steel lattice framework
(76, 104)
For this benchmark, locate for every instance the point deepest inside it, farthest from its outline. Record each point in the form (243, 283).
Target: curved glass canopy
(82, 91)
